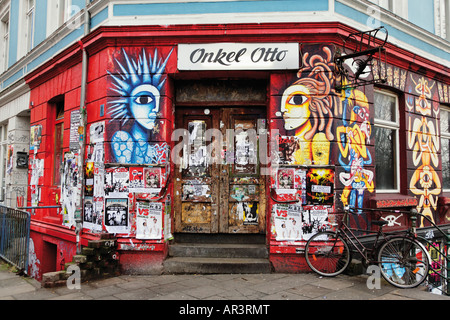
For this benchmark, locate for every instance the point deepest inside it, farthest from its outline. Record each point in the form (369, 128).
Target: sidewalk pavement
(242, 287)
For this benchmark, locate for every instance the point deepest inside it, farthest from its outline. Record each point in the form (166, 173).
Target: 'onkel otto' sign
(238, 56)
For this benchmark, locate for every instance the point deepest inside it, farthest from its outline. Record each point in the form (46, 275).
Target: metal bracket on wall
(362, 60)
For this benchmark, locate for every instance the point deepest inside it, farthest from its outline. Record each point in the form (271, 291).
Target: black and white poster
(116, 215)
(116, 182)
(97, 132)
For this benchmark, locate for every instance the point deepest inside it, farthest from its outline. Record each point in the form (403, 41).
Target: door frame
(219, 222)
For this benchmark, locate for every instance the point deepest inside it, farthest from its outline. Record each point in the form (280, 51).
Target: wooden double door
(218, 180)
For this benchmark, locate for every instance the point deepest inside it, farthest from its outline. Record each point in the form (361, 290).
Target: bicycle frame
(346, 232)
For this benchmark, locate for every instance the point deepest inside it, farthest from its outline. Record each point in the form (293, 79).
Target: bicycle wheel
(327, 254)
(403, 262)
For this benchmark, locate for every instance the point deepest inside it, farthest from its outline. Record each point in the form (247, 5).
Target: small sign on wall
(238, 56)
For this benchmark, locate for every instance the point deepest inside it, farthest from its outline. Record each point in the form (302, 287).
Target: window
(386, 132)
(30, 24)
(445, 150)
(58, 155)
(3, 160)
(386, 4)
(398, 7)
(4, 33)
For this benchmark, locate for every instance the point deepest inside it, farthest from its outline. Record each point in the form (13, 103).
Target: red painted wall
(108, 48)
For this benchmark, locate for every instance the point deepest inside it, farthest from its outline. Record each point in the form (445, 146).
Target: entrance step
(199, 265)
(218, 253)
(215, 250)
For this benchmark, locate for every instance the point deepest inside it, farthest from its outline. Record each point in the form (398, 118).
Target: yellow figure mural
(423, 139)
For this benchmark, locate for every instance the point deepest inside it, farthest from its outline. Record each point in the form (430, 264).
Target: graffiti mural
(423, 140)
(308, 105)
(137, 87)
(323, 127)
(354, 155)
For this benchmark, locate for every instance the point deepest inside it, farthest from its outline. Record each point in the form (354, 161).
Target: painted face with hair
(138, 86)
(307, 108)
(295, 106)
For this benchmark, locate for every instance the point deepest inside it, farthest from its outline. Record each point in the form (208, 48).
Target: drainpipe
(82, 127)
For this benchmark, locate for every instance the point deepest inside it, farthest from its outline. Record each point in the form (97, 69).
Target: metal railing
(439, 269)
(15, 237)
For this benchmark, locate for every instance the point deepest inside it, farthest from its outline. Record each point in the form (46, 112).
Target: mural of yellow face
(295, 106)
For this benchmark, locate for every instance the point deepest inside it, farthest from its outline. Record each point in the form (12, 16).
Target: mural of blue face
(144, 105)
(138, 85)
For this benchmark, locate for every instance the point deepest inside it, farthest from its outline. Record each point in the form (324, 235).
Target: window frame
(5, 33)
(30, 14)
(391, 125)
(58, 141)
(444, 135)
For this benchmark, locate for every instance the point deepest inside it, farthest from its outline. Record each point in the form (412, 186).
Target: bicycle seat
(380, 223)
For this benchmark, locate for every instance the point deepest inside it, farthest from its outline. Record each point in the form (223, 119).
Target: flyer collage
(117, 199)
(304, 198)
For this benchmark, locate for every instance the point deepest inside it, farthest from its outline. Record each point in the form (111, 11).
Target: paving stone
(284, 295)
(204, 292)
(16, 289)
(310, 291)
(139, 294)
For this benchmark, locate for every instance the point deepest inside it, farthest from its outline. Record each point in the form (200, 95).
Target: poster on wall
(137, 183)
(116, 182)
(74, 135)
(89, 179)
(300, 184)
(96, 153)
(149, 220)
(288, 222)
(99, 180)
(37, 171)
(88, 215)
(70, 189)
(97, 132)
(315, 219)
(98, 205)
(320, 186)
(35, 136)
(116, 215)
(288, 149)
(245, 212)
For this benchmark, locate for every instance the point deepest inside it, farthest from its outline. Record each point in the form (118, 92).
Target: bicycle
(402, 259)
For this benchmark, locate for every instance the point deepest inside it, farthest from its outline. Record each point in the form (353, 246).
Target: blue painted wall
(40, 25)
(219, 7)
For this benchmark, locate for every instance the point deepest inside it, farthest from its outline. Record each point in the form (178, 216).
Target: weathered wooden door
(218, 183)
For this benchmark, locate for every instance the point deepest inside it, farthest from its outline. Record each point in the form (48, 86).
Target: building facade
(154, 119)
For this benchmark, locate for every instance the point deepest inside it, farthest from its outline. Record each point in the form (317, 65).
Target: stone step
(220, 238)
(215, 250)
(200, 265)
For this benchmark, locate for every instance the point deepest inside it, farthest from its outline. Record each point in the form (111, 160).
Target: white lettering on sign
(321, 189)
(238, 56)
